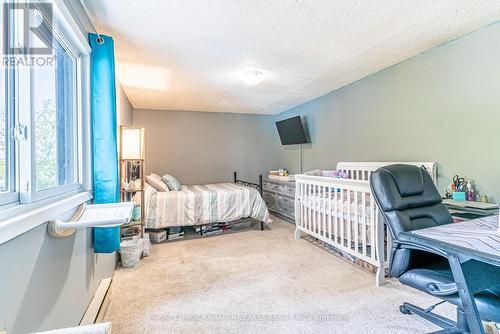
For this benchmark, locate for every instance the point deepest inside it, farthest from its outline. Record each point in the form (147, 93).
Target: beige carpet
(257, 282)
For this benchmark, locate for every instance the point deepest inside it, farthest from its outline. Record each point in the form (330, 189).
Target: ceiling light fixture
(252, 78)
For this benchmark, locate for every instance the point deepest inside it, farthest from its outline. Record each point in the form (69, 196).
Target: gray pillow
(171, 182)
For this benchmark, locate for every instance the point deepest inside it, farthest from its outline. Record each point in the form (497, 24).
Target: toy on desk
(461, 189)
(470, 191)
(457, 188)
(458, 184)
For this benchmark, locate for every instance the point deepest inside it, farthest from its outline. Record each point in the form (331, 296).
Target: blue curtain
(104, 139)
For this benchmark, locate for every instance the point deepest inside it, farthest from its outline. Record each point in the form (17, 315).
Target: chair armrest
(402, 244)
(442, 289)
(433, 288)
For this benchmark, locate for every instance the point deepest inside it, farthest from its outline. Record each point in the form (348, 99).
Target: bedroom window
(41, 106)
(54, 120)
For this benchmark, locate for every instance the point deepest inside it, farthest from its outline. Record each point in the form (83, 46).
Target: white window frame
(27, 151)
(12, 195)
(13, 216)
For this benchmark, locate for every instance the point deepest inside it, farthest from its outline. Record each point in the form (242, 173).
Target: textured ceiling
(191, 54)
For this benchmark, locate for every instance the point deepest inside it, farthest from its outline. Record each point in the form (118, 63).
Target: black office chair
(409, 201)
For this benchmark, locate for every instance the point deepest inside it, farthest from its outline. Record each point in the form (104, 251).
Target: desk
(466, 210)
(471, 248)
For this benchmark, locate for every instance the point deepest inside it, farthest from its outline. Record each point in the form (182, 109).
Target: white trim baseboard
(98, 303)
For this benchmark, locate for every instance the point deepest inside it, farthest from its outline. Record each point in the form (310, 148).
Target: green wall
(442, 105)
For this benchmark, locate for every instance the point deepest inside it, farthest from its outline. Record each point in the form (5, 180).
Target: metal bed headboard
(249, 184)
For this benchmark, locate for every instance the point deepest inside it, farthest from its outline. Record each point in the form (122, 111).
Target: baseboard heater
(98, 305)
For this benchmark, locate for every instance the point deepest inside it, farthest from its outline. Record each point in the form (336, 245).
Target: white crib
(343, 212)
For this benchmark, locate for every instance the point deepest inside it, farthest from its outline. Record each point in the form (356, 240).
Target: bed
(204, 204)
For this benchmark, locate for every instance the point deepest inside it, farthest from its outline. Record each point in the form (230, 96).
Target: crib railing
(363, 171)
(342, 213)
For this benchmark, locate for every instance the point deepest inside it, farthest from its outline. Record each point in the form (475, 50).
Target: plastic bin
(130, 252)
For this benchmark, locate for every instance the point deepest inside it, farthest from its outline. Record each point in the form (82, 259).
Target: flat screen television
(292, 131)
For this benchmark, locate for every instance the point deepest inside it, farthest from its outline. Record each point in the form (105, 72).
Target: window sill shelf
(23, 218)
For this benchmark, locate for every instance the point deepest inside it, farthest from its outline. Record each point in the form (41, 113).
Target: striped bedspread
(203, 204)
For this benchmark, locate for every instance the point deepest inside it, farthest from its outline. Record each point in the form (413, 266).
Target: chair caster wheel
(404, 310)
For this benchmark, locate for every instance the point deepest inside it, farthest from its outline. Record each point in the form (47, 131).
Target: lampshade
(132, 143)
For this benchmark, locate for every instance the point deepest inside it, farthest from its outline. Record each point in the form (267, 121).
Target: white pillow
(156, 182)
